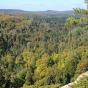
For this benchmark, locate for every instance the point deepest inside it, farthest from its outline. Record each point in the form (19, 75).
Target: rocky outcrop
(76, 81)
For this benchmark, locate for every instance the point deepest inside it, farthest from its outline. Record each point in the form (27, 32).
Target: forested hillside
(42, 51)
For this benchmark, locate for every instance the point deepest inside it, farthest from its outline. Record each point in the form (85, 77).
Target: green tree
(50, 62)
(70, 23)
(28, 78)
(3, 45)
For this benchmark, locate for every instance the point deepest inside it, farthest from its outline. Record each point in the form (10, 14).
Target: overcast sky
(42, 5)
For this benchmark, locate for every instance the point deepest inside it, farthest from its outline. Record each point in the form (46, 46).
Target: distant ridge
(52, 12)
(47, 12)
(10, 10)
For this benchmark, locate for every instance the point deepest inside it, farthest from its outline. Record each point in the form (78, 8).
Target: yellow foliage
(62, 66)
(38, 70)
(16, 61)
(42, 74)
(38, 62)
(59, 65)
(83, 53)
(55, 57)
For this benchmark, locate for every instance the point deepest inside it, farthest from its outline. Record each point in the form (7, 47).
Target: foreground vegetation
(39, 50)
(83, 83)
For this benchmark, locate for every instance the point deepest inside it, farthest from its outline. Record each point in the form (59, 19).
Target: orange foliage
(10, 21)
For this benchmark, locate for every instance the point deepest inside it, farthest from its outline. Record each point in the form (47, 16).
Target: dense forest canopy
(38, 50)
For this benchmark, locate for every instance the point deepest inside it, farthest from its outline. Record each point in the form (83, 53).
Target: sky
(42, 5)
